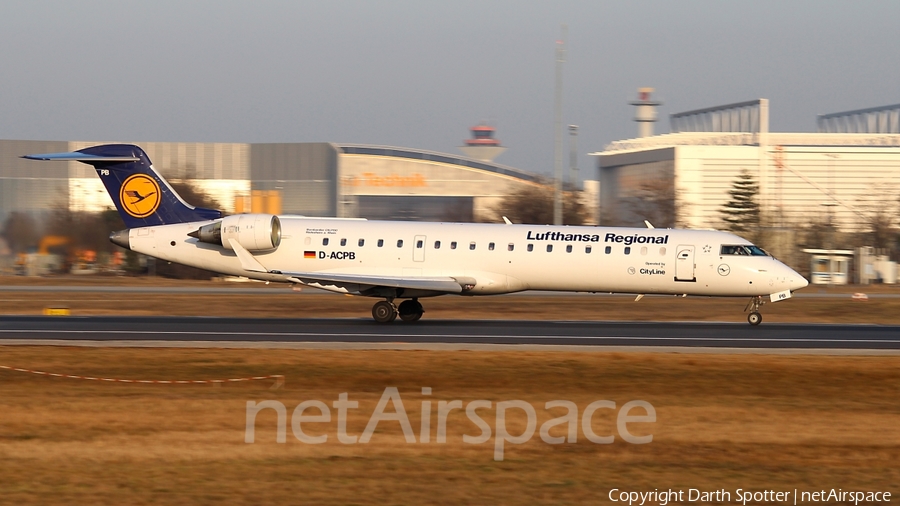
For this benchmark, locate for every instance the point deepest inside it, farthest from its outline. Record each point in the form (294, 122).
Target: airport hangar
(844, 174)
(313, 179)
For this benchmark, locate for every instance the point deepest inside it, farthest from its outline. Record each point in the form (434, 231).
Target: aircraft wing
(357, 282)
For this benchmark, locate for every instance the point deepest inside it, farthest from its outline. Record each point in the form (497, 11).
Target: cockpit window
(743, 249)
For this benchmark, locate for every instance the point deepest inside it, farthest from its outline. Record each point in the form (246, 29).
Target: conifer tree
(741, 213)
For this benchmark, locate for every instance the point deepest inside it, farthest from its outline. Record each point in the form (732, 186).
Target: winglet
(248, 261)
(648, 224)
(506, 220)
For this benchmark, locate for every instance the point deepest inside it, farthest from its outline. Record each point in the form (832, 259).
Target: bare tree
(193, 195)
(533, 204)
(881, 210)
(87, 231)
(653, 199)
(21, 231)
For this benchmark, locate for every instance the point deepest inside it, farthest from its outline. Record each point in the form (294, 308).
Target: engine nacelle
(255, 232)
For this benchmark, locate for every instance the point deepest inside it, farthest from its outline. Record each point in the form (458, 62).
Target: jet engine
(255, 232)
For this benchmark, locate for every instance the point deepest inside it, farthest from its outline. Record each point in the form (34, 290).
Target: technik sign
(627, 240)
(370, 179)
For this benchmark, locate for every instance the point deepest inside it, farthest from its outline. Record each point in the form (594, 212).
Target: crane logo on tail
(139, 195)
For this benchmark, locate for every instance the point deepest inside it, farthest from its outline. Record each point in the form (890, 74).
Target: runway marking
(279, 378)
(394, 337)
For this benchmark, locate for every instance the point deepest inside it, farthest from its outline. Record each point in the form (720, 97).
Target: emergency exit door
(419, 249)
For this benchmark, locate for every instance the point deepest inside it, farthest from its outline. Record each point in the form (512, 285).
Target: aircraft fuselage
(501, 258)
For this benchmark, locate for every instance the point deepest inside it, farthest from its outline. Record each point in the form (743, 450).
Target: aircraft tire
(754, 318)
(384, 312)
(410, 310)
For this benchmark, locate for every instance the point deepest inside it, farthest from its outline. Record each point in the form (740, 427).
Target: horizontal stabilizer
(76, 156)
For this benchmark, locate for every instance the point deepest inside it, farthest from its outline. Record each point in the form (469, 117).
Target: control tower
(482, 146)
(646, 112)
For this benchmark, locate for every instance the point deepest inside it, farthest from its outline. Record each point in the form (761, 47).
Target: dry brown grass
(586, 307)
(274, 300)
(723, 421)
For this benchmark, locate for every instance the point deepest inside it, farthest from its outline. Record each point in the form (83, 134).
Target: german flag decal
(309, 254)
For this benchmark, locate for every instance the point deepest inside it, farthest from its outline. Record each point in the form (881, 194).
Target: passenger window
(380, 242)
(399, 243)
(472, 246)
(608, 250)
(569, 248)
(587, 249)
(453, 245)
(325, 242)
(627, 250)
(511, 247)
(343, 242)
(549, 248)
(362, 242)
(419, 244)
(437, 244)
(662, 251)
(530, 247)
(643, 250)
(490, 246)
(307, 240)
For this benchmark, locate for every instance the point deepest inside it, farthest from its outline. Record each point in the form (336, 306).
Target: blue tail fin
(142, 196)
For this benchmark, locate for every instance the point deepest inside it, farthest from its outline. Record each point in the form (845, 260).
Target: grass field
(758, 422)
(722, 421)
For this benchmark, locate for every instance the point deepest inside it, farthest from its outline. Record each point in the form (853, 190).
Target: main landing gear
(754, 318)
(409, 311)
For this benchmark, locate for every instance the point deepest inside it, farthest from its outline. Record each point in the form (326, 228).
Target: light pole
(557, 128)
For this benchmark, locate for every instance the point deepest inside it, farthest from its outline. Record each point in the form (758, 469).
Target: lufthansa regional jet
(408, 261)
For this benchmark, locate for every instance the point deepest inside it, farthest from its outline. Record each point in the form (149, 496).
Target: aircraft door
(419, 249)
(684, 263)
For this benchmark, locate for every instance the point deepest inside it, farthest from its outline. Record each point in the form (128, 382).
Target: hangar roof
(749, 139)
(418, 154)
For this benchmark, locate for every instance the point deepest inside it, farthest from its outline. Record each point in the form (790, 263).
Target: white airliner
(412, 260)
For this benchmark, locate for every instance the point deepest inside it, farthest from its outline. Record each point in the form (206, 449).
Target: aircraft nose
(796, 281)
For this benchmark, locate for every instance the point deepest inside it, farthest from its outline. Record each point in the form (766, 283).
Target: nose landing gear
(754, 318)
(409, 311)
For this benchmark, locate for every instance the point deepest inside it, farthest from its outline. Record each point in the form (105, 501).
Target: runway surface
(283, 289)
(494, 332)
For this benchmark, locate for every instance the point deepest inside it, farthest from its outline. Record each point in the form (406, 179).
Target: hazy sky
(420, 73)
